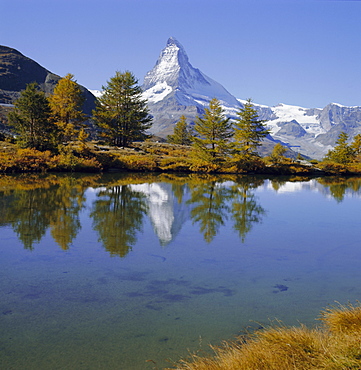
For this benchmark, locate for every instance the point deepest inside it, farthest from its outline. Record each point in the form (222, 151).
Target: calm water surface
(131, 272)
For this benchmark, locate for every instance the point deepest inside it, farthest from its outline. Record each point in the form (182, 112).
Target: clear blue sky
(299, 52)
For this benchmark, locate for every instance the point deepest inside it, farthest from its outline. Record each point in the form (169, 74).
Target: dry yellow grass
(336, 345)
(343, 318)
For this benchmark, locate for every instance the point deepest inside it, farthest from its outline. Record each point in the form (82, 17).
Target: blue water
(177, 286)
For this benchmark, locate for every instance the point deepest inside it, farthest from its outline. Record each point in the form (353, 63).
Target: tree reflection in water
(67, 201)
(210, 208)
(54, 204)
(117, 216)
(217, 200)
(29, 221)
(338, 186)
(245, 210)
(33, 204)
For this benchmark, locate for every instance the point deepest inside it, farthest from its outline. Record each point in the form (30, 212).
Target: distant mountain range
(174, 88)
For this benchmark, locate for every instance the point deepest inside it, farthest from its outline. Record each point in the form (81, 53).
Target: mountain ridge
(17, 71)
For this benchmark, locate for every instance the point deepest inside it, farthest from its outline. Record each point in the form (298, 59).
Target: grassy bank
(335, 345)
(94, 157)
(152, 157)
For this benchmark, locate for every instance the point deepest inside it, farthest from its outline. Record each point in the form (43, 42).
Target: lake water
(133, 271)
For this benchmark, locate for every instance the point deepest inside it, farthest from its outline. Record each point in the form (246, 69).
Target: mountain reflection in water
(119, 204)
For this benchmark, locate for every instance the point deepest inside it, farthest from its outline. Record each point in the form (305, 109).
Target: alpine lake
(136, 271)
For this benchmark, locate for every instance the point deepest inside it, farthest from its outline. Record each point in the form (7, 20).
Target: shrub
(314, 161)
(65, 161)
(6, 161)
(70, 162)
(354, 168)
(88, 165)
(139, 162)
(332, 167)
(175, 164)
(204, 166)
(25, 160)
(246, 164)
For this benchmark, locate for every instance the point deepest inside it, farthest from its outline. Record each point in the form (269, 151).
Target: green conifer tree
(121, 112)
(213, 131)
(277, 153)
(342, 153)
(356, 145)
(249, 132)
(182, 134)
(31, 119)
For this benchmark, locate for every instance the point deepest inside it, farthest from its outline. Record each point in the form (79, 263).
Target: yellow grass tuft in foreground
(334, 346)
(343, 318)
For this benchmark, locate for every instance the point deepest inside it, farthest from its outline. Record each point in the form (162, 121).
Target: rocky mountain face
(17, 70)
(174, 88)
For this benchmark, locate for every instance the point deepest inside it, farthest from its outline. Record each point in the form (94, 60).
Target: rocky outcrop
(292, 128)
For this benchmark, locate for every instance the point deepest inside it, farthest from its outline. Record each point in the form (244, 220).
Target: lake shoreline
(150, 157)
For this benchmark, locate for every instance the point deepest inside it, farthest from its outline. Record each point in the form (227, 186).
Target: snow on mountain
(97, 93)
(157, 92)
(173, 73)
(308, 119)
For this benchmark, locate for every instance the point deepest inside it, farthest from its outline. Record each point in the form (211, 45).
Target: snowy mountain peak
(167, 69)
(173, 73)
(173, 41)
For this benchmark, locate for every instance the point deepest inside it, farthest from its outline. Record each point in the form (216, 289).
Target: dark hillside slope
(17, 70)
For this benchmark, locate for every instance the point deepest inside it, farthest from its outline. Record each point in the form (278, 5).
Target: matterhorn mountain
(174, 73)
(174, 88)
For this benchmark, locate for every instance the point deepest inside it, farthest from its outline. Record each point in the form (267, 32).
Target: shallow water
(131, 272)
